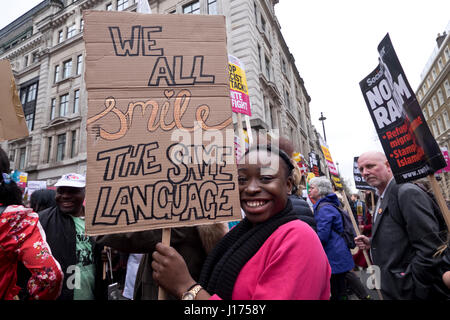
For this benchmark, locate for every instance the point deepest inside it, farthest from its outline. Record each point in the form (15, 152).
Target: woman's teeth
(256, 203)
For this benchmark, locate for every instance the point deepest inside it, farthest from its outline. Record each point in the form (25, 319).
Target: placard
(160, 135)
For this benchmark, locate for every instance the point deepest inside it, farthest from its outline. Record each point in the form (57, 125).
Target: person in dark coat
(302, 209)
(79, 257)
(405, 235)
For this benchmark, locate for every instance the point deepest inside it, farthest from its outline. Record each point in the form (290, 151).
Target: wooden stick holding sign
(440, 199)
(241, 133)
(358, 233)
(162, 294)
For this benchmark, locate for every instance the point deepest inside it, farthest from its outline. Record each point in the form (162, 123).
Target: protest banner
(330, 164)
(240, 101)
(360, 183)
(406, 139)
(314, 162)
(35, 185)
(12, 118)
(447, 161)
(408, 144)
(160, 137)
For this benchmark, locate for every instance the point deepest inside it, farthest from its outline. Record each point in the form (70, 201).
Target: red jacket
(22, 239)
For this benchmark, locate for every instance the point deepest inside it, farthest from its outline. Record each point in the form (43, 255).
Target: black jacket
(405, 235)
(61, 237)
(302, 209)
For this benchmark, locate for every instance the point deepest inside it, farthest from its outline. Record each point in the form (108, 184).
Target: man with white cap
(79, 257)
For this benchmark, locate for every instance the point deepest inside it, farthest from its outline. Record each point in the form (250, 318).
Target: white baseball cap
(72, 180)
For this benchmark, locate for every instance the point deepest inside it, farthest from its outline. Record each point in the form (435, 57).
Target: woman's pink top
(290, 265)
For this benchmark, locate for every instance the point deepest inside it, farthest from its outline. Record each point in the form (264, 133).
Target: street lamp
(322, 118)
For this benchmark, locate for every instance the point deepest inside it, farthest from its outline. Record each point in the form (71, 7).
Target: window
(63, 105)
(28, 97)
(109, 7)
(424, 111)
(440, 64)
(435, 130)
(430, 109)
(283, 66)
(79, 64)
(60, 147)
(192, 8)
(263, 24)
(447, 54)
(429, 82)
(212, 6)
(71, 31)
(81, 25)
(446, 123)
(440, 97)
(73, 144)
(22, 157)
(60, 36)
(287, 100)
(76, 101)
(53, 109)
(434, 74)
(25, 61)
(439, 122)
(56, 74)
(67, 68)
(49, 149)
(267, 67)
(424, 88)
(435, 103)
(259, 58)
(34, 57)
(122, 5)
(273, 113)
(29, 119)
(447, 88)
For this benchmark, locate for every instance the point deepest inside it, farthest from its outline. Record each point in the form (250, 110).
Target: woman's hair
(10, 193)
(323, 185)
(286, 159)
(42, 199)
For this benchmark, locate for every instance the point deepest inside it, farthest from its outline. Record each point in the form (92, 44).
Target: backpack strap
(340, 212)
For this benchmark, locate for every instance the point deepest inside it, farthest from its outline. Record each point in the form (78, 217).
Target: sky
(334, 44)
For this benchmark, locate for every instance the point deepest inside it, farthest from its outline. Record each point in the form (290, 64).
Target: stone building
(433, 95)
(46, 50)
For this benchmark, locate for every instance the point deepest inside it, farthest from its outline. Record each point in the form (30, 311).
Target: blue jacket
(328, 221)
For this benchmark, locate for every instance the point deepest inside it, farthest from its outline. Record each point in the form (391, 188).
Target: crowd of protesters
(284, 248)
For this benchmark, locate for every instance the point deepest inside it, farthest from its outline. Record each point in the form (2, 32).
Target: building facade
(46, 50)
(433, 95)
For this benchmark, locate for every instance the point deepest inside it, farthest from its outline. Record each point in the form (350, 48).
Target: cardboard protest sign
(160, 133)
(409, 146)
(331, 167)
(360, 183)
(12, 118)
(240, 101)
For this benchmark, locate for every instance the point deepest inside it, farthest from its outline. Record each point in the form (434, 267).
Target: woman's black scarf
(238, 246)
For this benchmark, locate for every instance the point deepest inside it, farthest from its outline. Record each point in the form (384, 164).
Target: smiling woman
(269, 255)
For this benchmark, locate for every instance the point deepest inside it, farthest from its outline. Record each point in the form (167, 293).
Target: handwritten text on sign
(158, 152)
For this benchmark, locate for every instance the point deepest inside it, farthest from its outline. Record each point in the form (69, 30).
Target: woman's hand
(170, 270)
